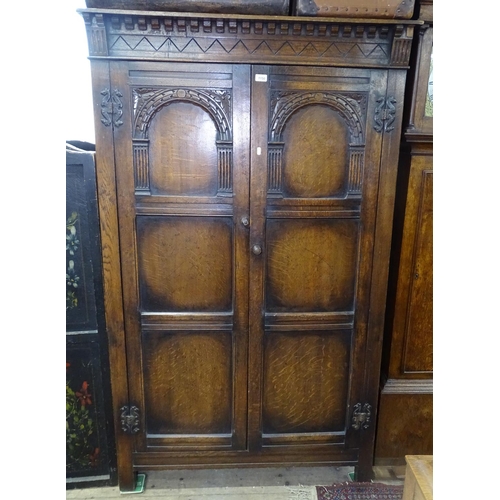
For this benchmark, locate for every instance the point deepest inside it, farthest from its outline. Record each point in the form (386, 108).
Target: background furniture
(246, 172)
(418, 478)
(90, 450)
(405, 421)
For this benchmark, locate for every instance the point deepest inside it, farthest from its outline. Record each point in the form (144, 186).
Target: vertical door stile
(126, 214)
(258, 190)
(383, 206)
(241, 155)
(112, 279)
(378, 83)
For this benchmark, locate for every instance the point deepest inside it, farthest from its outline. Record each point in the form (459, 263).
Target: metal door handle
(245, 221)
(256, 249)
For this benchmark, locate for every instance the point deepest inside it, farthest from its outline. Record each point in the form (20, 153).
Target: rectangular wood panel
(185, 263)
(188, 382)
(412, 332)
(306, 378)
(419, 341)
(311, 265)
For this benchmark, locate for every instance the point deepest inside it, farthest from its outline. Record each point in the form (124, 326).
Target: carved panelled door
(182, 177)
(314, 180)
(247, 204)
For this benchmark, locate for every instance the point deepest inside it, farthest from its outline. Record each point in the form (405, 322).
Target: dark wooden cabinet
(246, 171)
(407, 386)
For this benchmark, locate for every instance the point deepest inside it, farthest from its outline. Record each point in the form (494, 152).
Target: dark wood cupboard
(407, 369)
(246, 172)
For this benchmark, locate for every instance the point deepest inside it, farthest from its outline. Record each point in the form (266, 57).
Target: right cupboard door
(315, 161)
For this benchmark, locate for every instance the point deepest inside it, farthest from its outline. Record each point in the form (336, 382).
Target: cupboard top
(147, 35)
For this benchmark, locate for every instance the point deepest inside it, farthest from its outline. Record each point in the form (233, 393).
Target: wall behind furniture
(77, 65)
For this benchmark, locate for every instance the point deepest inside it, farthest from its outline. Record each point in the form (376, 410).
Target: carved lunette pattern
(217, 103)
(350, 106)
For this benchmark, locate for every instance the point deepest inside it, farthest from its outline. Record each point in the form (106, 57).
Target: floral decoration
(81, 440)
(72, 246)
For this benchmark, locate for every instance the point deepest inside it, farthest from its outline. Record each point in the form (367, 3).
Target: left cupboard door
(181, 164)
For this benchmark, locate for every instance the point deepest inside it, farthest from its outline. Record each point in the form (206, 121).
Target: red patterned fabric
(359, 491)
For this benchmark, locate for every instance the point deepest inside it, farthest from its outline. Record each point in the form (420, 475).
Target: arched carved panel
(216, 103)
(351, 107)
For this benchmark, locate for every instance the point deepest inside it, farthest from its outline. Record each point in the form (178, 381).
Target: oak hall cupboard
(246, 174)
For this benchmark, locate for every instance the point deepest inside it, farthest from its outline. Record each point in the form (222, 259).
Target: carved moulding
(350, 106)
(246, 39)
(217, 103)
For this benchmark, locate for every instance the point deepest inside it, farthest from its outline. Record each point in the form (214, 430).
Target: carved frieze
(246, 39)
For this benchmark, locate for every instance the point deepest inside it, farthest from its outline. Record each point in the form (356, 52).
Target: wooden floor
(238, 484)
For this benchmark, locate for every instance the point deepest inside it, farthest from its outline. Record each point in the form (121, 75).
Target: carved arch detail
(285, 105)
(217, 103)
(350, 107)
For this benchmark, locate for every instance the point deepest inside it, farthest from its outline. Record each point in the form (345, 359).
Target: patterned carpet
(359, 491)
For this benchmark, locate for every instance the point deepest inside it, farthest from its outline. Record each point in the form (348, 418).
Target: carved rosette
(217, 103)
(350, 106)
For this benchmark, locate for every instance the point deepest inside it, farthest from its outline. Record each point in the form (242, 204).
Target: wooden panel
(187, 382)
(404, 426)
(185, 263)
(178, 169)
(419, 342)
(305, 382)
(311, 265)
(316, 154)
(411, 296)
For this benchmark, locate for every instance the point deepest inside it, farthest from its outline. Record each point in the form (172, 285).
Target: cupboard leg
(363, 473)
(126, 479)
